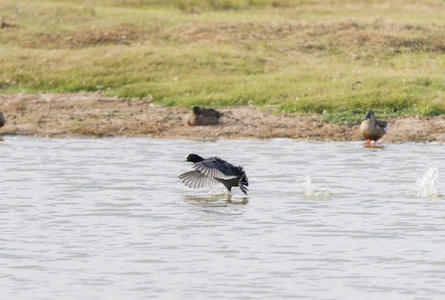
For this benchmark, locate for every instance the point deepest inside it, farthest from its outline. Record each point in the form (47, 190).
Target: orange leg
(368, 142)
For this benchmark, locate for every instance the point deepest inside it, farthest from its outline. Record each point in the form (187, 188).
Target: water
(108, 219)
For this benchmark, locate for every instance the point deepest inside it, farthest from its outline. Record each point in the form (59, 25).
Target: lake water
(109, 219)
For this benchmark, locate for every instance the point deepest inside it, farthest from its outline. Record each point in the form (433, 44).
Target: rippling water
(108, 219)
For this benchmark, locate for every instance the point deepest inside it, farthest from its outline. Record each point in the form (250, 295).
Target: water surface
(108, 219)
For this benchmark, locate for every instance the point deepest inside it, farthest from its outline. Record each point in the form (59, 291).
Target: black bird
(203, 116)
(210, 171)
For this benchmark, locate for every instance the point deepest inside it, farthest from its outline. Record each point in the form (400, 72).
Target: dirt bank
(92, 114)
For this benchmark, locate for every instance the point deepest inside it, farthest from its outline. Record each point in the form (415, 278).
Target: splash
(427, 185)
(213, 191)
(310, 190)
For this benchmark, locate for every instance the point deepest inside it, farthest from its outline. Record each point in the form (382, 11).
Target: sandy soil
(92, 114)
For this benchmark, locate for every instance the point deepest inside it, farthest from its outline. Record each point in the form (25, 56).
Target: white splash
(427, 185)
(311, 190)
(213, 191)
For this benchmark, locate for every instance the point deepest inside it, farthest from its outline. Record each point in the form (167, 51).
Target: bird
(2, 120)
(372, 129)
(213, 170)
(203, 116)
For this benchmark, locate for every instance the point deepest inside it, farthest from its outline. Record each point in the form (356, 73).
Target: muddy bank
(92, 114)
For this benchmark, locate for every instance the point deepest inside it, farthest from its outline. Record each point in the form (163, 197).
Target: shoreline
(94, 115)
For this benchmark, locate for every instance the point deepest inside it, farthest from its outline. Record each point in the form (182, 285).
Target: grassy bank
(335, 58)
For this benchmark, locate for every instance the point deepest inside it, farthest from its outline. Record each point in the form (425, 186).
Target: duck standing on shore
(2, 120)
(372, 129)
(211, 171)
(203, 116)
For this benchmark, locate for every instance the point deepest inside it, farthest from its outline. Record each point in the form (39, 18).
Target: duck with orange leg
(372, 129)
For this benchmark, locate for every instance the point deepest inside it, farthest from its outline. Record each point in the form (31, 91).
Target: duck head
(369, 115)
(196, 110)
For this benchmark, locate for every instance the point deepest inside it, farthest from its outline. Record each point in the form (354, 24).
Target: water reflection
(216, 203)
(373, 147)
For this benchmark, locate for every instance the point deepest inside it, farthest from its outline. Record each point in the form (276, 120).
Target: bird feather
(216, 168)
(196, 179)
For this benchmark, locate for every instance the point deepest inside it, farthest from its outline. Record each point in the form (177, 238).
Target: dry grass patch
(85, 37)
(4, 24)
(309, 36)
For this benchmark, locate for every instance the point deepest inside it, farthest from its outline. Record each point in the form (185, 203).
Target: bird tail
(242, 187)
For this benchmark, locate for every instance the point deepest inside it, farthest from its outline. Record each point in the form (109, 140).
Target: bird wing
(382, 124)
(211, 113)
(216, 168)
(196, 179)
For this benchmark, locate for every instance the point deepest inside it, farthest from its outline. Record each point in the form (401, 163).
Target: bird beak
(184, 160)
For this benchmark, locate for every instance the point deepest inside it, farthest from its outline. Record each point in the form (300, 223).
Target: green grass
(337, 59)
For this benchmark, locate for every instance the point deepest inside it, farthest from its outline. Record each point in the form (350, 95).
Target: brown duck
(203, 116)
(2, 120)
(372, 129)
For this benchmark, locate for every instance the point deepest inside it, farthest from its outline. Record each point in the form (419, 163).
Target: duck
(372, 129)
(203, 116)
(2, 120)
(213, 170)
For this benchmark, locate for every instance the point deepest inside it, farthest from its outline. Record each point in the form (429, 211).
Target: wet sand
(94, 115)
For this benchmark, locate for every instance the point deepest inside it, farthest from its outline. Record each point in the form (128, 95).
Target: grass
(333, 58)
